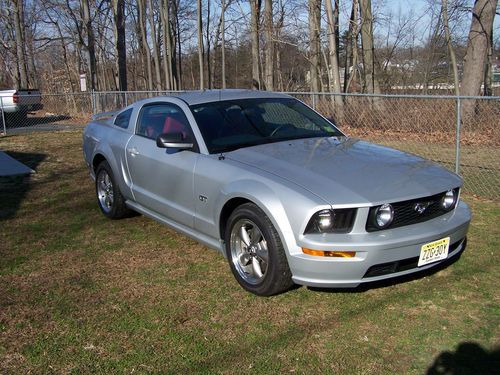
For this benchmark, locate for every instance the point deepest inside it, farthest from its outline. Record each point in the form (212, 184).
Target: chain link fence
(460, 133)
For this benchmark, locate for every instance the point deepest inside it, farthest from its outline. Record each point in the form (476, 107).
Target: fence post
(126, 99)
(3, 117)
(314, 101)
(457, 146)
(92, 102)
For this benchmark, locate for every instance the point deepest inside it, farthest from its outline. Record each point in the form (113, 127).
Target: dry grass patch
(83, 294)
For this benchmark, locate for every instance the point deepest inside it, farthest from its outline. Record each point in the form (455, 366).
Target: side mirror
(173, 140)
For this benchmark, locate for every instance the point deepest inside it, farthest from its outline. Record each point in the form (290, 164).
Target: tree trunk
(156, 58)
(177, 73)
(223, 45)
(444, 13)
(20, 43)
(200, 47)
(121, 48)
(90, 43)
(488, 73)
(255, 6)
(278, 28)
(209, 66)
(433, 37)
(371, 83)
(333, 53)
(314, 54)
(352, 58)
(269, 51)
(483, 15)
(167, 43)
(141, 6)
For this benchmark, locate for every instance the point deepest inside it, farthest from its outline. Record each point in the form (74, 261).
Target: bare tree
(20, 42)
(200, 46)
(121, 49)
(479, 38)
(167, 43)
(371, 82)
(269, 50)
(223, 44)
(207, 50)
(87, 20)
(334, 71)
(488, 73)
(315, 46)
(351, 54)
(154, 41)
(146, 53)
(255, 6)
(444, 13)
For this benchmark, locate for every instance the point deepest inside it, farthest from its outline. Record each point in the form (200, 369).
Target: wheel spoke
(102, 184)
(256, 268)
(262, 253)
(244, 259)
(249, 253)
(244, 236)
(255, 235)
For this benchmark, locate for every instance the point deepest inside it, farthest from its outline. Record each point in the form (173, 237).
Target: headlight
(449, 199)
(384, 216)
(332, 221)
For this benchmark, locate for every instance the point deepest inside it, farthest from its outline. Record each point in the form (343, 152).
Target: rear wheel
(109, 197)
(255, 252)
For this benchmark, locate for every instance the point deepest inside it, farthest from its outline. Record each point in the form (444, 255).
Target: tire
(255, 252)
(109, 197)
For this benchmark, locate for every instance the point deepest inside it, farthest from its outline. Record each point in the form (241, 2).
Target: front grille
(402, 265)
(405, 213)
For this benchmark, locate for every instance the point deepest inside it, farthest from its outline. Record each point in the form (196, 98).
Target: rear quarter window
(123, 119)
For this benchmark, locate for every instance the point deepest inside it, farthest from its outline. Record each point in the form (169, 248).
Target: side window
(163, 118)
(123, 119)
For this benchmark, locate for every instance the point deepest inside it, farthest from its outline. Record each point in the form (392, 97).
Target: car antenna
(221, 156)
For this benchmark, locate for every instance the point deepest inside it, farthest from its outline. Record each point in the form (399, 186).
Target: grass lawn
(83, 294)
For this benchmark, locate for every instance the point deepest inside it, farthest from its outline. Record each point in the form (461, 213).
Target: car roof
(207, 96)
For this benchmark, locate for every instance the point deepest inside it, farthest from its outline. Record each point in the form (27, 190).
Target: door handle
(133, 151)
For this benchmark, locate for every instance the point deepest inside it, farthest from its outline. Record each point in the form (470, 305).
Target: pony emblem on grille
(420, 207)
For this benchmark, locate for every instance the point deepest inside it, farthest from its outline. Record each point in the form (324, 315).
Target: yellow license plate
(433, 251)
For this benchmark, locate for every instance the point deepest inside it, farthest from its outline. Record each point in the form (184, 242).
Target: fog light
(327, 253)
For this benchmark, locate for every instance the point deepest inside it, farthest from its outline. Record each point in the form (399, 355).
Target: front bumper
(379, 255)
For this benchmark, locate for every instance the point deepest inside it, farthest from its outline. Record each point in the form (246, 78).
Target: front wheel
(109, 197)
(255, 252)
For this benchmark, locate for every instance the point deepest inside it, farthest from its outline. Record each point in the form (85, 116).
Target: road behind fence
(461, 133)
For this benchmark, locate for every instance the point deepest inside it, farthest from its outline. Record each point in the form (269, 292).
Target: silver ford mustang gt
(277, 188)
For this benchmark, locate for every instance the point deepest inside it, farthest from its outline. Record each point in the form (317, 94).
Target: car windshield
(232, 124)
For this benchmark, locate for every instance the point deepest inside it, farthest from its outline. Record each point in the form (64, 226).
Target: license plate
(433, 251)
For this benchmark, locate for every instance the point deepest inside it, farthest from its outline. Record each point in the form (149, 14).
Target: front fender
(286, 208)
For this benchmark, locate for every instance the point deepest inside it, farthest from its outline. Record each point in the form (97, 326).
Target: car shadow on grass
(13, 189)
(35, 120)
(468, 359)
(395, 280)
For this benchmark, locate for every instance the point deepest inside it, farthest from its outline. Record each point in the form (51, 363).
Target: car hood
(347, 171)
